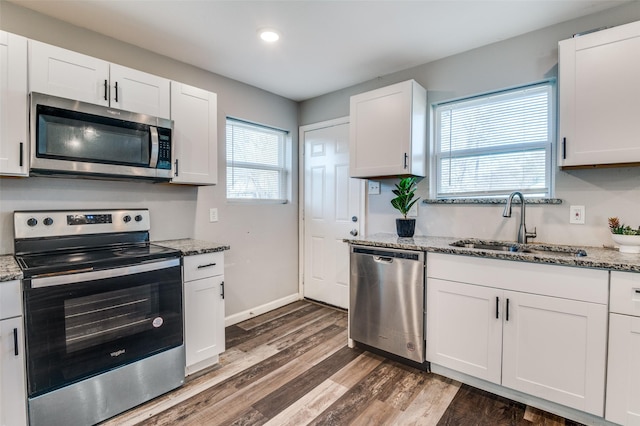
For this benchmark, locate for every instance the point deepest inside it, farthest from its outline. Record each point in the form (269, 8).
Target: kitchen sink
(506, 246)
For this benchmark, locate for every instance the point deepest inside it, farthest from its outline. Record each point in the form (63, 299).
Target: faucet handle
(528, 234)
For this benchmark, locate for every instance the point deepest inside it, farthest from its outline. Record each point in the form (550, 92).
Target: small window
(256, 162)
(494, 144)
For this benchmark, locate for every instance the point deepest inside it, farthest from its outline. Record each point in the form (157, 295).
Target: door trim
(361, 208)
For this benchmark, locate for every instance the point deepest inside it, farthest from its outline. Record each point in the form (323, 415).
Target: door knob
(354, 232)
(354, 218)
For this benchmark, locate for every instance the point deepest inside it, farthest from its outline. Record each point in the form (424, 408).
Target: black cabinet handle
(176, 163)
(497, 307)
(406, 159)
(222, 289)
(106, 90)
(206, 266)
(21, 153)
(507, 314)
(116, 92)
(15, 341)
(564, 148)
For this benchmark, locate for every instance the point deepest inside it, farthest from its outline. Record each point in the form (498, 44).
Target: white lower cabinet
(538, 329)
(13, 409)
(203, 310)
(623, 374)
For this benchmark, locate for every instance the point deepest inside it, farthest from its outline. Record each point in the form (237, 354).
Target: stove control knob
(32, 221)
(138, 218)
(127, 219)
(48, 221)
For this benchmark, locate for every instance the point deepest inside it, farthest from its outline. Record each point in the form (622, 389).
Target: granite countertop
(597, 257)
(191, 247)
(9, 269)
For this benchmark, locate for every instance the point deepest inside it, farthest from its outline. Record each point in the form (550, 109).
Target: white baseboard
(259, 310)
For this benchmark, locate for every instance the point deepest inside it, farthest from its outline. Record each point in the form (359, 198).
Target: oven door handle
(148, 266)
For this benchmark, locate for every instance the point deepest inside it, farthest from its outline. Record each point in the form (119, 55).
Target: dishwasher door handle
(382, 259)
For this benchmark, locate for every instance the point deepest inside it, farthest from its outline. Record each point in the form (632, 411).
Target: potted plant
(627, 238)
(404, 200)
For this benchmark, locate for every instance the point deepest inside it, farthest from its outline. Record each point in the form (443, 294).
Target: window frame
(283, 169)
(549, 145)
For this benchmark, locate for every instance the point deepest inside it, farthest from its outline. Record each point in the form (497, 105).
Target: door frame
(301, 194)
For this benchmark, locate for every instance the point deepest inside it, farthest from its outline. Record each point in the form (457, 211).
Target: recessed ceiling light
(269, 35)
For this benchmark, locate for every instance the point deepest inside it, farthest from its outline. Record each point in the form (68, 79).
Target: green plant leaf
(405, 194)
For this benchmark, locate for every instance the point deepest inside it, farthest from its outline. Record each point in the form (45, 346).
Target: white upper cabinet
(137, 91)
(388, 131)
(195, 136)
(599, 88)
(13, 105)
(67, 74)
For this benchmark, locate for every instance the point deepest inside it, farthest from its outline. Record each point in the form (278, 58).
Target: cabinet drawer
(588, 285)
(203, 265)
(625, 293)
(10, 299)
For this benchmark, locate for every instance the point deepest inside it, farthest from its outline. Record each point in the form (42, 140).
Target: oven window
(72, 135)
(97, 319)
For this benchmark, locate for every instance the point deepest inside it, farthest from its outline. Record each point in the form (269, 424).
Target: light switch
(213, 215)
(576, 215)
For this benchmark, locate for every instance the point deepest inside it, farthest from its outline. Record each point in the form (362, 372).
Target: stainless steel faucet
(523, 235)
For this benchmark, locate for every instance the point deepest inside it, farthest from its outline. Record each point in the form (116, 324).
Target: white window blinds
(256, 162)
(494, 144)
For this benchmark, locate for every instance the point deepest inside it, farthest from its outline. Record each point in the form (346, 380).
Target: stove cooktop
(69, 261)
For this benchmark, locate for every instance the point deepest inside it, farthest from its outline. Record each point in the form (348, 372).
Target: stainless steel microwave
(72, 138)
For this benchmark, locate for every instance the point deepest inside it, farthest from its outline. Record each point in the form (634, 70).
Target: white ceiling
(325, 45)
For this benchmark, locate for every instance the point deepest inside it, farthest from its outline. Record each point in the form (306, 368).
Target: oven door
(83, 324)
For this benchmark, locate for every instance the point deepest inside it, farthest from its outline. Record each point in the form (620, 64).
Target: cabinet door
(67, 74)
(137, 91)
(195, 117)
(599, 92)
(13, 105)
(204, 320)
(464, 328)
(555, 349)
(623, 378)
(386, 125)
(12, 374)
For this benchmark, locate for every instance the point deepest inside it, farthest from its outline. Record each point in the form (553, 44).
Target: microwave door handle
(153, 161)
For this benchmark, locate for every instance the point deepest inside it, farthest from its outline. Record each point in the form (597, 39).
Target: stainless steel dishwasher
(387, 300)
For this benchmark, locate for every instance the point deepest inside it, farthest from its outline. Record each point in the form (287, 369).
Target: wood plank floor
(291, 366)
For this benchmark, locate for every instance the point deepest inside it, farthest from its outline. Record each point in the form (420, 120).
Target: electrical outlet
(576, 215)
(213, 215)
(374, 188)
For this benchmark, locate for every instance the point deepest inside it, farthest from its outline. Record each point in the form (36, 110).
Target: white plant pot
(627, 243)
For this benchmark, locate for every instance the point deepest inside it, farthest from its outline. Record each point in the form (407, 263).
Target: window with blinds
(494, 144)
(256, 162)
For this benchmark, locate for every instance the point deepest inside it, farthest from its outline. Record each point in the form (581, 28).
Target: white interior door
(332, 211)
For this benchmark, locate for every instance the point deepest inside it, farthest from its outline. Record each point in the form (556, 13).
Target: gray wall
(516, 61)
(262, 265)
